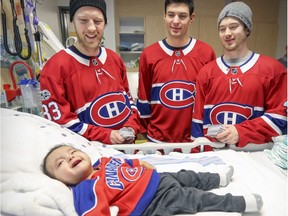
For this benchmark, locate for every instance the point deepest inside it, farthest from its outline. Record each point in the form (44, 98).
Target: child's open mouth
(75, 163)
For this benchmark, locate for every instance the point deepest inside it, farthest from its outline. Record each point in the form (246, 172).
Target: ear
(247, 31)
(192, 18)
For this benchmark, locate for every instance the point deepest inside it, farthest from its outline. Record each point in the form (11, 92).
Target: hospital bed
(26, 138)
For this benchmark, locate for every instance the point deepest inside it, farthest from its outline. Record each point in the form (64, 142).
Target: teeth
(91, 36)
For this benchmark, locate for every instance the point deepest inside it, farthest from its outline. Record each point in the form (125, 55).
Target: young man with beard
(85, 87)
(243, 92)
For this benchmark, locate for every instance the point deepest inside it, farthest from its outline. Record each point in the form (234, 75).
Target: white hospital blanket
(253, 173)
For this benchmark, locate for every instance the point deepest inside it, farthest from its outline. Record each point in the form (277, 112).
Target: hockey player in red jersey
(134, 187)
(243, 92)
(167, 77)
(85, 87)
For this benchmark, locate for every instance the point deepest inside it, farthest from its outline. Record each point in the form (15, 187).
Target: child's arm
(146, 165)
(137, 162)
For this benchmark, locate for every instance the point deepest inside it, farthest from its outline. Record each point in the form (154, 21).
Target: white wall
(47, 12)
(133, 83)
(110, 38)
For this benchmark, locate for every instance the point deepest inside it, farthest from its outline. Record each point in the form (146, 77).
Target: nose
(227, 31)
(176, 19)
(70, 157)
(91, 25)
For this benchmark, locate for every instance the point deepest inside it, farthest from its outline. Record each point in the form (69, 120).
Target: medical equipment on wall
(36, 33)
(18, 51)
(26, 88)
(11, 96)
(20, 70)
(49, 38)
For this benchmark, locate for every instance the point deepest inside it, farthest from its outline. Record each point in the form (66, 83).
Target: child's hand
(147, 165)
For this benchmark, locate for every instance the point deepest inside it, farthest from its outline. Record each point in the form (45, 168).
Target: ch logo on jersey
(131, 174)
(229, 113)
(110, 109)
(177, 94)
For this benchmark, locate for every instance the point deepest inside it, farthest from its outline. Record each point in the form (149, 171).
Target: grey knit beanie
(76, 4)
(239, 10)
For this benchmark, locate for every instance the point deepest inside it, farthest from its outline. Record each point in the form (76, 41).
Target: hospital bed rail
(151, 147)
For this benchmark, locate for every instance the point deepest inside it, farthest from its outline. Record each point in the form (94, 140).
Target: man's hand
(125, 135)
(115, 137)
(128, 134)
(229, 135)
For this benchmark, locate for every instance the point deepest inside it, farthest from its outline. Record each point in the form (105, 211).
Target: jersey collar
(84, 59)
(170, 50)
(244, 67)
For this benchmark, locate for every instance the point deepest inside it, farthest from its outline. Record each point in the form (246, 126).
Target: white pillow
(26, 139)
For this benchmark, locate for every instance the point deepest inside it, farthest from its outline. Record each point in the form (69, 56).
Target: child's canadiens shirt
(119, 182)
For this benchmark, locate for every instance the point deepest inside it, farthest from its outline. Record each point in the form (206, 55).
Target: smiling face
(69, 165)
(89, 25)
(233, 34)
(177, 20)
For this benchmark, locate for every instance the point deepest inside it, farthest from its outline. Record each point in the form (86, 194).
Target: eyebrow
(176, 12)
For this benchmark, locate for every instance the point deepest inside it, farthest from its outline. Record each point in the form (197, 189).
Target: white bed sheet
(254, 173)
(26, 138)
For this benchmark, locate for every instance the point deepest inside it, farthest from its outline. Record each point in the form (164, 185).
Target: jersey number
(51, 111)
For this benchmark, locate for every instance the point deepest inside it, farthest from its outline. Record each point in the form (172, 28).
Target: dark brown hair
(44, 163)
(190, 4)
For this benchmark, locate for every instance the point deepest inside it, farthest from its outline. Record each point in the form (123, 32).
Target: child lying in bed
(135, 187)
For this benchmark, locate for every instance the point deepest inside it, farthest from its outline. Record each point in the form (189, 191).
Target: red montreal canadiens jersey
(89, 95)
(119, 182)
(166, 92)
(253, 97)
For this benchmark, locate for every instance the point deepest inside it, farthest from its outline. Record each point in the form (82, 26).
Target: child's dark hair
(190, 4)
(44, 163)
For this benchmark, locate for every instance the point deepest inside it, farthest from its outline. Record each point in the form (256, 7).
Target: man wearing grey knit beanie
(237, 10)
(236, 102)
(86, 83)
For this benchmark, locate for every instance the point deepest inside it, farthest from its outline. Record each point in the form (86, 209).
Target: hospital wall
(269, 34)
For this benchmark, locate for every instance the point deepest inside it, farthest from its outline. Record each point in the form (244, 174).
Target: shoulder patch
(44, 95)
